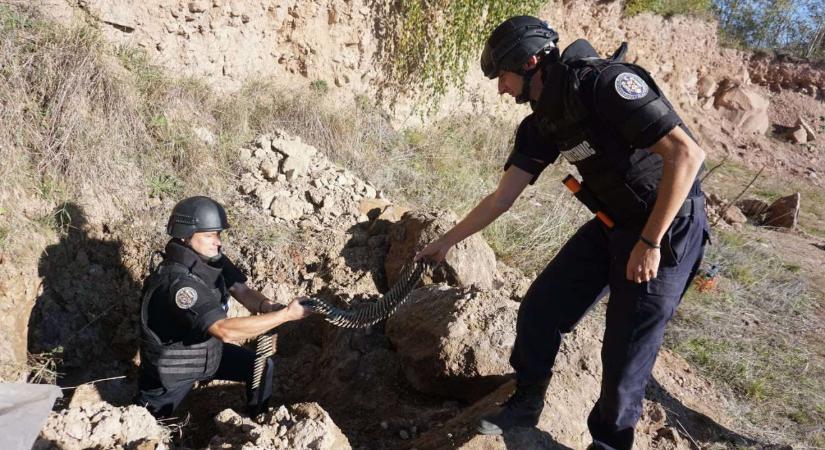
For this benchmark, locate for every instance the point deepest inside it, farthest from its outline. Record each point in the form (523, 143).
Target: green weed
(164, 185)
(319, 87)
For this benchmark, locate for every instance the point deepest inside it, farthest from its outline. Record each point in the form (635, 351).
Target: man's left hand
(643, 263)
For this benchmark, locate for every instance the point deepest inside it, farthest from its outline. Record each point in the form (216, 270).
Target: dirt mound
(101, 425)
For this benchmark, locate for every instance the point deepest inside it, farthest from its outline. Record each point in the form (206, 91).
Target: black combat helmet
(513, 42)
(196, 214)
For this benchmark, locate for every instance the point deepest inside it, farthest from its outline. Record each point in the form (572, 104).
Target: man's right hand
(296, 311)
(435, 251)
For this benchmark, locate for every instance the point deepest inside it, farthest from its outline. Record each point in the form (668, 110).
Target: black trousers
(592, 263)
(236, 365)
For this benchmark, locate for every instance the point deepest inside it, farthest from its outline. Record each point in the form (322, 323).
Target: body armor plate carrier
(623, 178)
(175, 362)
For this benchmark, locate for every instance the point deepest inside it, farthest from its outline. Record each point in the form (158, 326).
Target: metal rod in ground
(722, 214)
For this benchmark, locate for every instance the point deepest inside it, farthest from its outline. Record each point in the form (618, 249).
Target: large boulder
(744, 108)
(304, 426)
(470, 263)
(784, 213)
(454, 342)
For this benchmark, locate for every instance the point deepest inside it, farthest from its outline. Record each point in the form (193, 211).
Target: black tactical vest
(177, 362)
(624, 179)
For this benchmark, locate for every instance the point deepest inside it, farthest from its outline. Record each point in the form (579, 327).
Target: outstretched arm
(241, 328)
(512, 184)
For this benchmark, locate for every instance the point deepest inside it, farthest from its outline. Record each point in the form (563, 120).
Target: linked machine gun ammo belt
(359, 316)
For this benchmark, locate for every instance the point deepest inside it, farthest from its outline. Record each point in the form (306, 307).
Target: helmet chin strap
(551, 54)
(524, 96)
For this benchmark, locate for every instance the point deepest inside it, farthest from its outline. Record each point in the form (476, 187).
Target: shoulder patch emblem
(186, 297)
(630, 86)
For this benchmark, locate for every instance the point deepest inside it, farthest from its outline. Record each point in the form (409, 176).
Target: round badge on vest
(630, 86)
(186, 297)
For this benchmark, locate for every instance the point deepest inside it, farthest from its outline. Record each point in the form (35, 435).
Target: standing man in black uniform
(639, 165)
(185, 333)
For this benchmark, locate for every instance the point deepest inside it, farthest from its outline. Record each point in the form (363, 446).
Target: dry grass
(731, 178)
(43, 367)
(85, 121)
(759, 333)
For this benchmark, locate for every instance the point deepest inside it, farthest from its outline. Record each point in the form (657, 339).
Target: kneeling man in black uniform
(185, 333)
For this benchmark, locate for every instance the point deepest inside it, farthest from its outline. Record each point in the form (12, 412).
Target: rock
(369, 191)
(810, 135)
(304, 426)
(150, 444)
(264, 142)
(453, 342)
(392, 213)
(106, 427)
(706, 87)
(198, 6)
(265, 194)
(511, 282)
(798, 136)
(745, 109)
(316, 196)
(77, 427)
(292, 146)
(248, 160)
(136, 424)
(784, 213)
(295, 166)
(372, 207)
(715, 200)
(286, 208)
(85, 394)
(298, 155)
(204, 135)
(331, 207)
(752, 208)
(343, 180)
(734, 216)
(470, 263)
(248, 183)
(269, 169)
